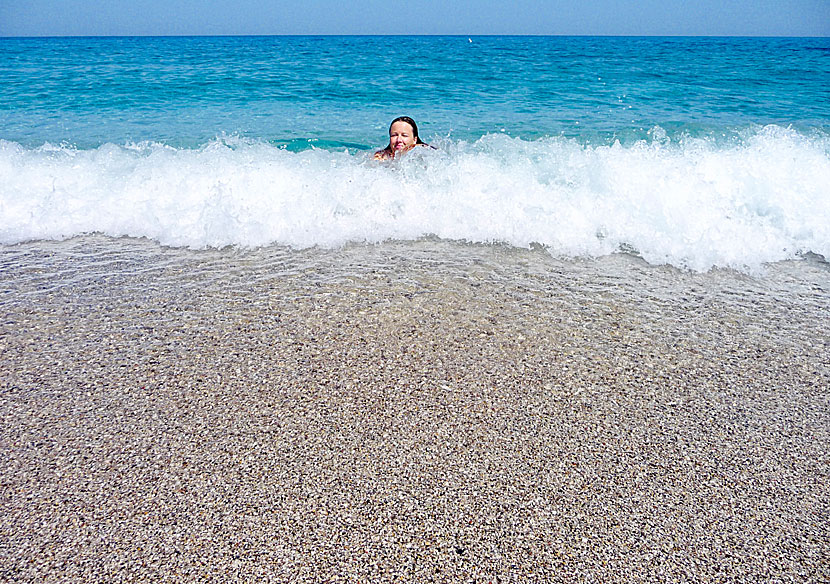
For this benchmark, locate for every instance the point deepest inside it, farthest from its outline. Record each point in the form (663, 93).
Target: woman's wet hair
(412, 123)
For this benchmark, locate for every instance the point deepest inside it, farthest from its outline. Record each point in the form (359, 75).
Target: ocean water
(697, 153)
(227, 334)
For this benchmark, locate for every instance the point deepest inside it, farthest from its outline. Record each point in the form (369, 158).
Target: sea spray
(690, 202)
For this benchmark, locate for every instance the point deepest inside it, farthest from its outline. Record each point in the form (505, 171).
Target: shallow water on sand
(91, 269)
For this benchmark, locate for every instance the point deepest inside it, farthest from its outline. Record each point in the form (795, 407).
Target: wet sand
(422, 412)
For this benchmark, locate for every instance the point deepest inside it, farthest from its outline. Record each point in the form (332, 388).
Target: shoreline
(416, 412)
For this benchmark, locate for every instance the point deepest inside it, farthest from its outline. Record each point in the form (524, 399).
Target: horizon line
(462, 35)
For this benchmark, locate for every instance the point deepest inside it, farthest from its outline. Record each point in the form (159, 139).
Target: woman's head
(403, 134)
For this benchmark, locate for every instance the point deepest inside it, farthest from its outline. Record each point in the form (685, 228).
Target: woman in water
(403, 136)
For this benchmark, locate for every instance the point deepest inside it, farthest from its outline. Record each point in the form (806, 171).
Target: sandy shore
(588, 421)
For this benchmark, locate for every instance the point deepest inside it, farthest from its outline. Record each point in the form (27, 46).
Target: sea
(683, 153)
(590, 323)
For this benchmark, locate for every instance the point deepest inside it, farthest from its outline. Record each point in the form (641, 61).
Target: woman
(403, 136)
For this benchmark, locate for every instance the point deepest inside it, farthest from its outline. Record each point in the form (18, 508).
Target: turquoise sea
(583, 339)
(693, 152)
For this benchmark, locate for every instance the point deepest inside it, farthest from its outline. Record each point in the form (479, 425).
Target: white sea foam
(692, 203)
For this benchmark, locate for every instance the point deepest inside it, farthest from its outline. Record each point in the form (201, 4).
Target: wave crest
(691, 202)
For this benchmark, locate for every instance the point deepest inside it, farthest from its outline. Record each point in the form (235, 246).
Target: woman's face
(401, 137)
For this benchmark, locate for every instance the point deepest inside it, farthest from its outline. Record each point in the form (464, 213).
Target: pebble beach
(420, 411)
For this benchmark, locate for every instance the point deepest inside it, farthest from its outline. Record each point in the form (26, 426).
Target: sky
(401, 17)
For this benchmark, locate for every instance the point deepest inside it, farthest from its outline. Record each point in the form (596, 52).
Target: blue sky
(465, 17)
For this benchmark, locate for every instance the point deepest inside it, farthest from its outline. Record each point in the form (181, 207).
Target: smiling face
(401, 137)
